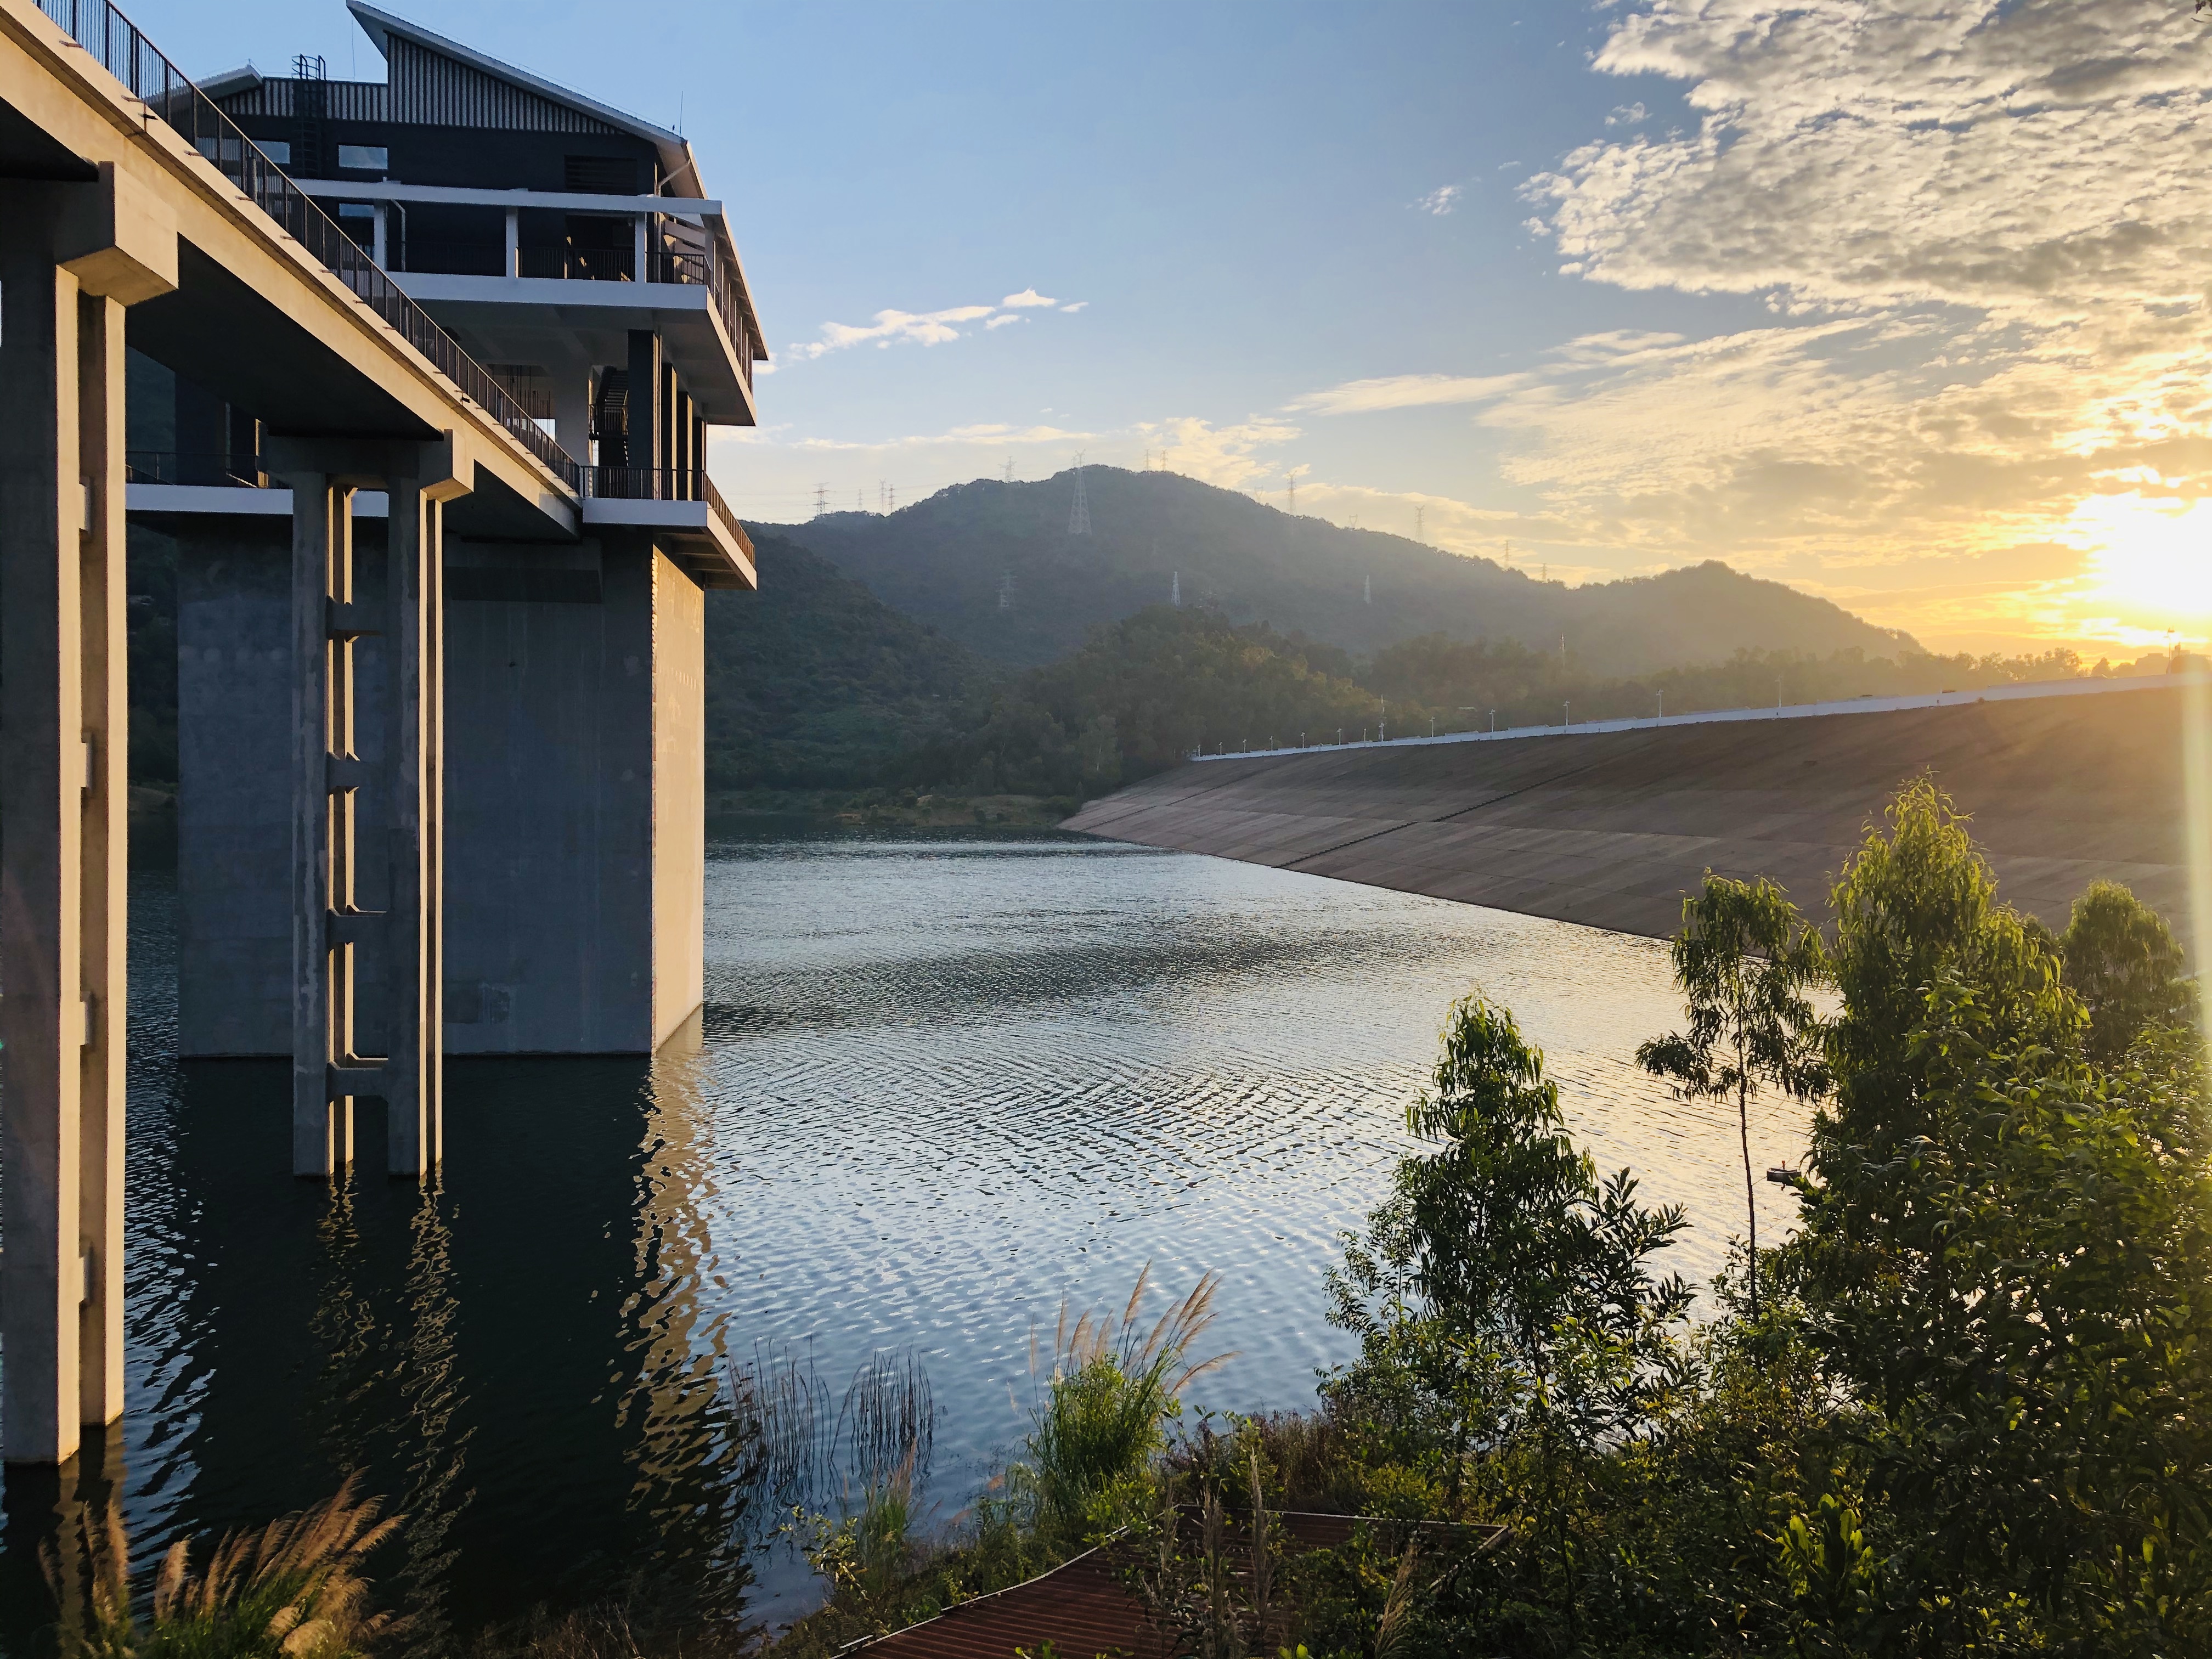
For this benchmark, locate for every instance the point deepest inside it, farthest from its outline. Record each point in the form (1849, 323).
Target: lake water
(945, 1083)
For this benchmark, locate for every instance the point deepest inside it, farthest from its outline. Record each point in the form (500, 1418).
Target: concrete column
(416, 589)
(70, 258)
(647, 430)
(515, 241)
(322, 820)
(572, 405)
(329, 928)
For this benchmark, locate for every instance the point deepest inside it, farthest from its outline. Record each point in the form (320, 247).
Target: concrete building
(572, 251)
(167, 287)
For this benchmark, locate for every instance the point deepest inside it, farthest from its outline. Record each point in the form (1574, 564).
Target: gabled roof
(679, 170)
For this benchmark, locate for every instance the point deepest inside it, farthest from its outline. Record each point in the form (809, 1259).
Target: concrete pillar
(329, 927)
(572, 405)
(648, 427)
(72, 257)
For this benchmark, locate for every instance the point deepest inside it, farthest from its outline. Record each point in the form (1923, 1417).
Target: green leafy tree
(1509, 1315)
(1747, 961)
(2005, 1266)
(2122, 961)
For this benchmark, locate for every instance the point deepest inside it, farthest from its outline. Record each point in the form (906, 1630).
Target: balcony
(689, 518)
(482, 261)
(678, 506)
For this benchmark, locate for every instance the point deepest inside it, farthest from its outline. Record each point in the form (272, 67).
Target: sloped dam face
(1611, 828)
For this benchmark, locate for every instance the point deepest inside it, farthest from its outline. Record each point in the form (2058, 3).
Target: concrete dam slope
(1611, 829)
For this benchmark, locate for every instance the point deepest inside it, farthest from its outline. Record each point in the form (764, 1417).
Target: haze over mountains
(992, 566)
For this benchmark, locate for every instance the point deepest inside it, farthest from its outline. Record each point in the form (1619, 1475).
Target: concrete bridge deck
(1611, 828)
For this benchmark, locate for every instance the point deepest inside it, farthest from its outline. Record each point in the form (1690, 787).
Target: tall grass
(1114, 1386)
(295, 1590)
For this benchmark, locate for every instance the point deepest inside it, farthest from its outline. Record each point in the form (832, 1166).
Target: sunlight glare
(2151, 560)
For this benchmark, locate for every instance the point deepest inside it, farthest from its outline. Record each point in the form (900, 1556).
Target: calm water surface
(943, 1085)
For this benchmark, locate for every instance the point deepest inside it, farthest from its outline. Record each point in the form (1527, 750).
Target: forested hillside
(814, 683)
(992, 565)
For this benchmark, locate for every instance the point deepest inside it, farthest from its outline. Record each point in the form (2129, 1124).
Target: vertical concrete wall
(679, 805)
(549, 820)
(574, 815)
(233, 783)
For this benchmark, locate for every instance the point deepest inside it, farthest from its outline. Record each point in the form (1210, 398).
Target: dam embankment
(1612, 826)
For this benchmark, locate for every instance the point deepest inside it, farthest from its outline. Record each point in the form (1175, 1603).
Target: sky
(1903, 302)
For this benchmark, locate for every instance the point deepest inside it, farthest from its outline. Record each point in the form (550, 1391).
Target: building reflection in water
(517, 1359)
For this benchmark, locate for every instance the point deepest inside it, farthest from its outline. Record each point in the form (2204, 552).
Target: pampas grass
(1114, 1386)
(293, 1590)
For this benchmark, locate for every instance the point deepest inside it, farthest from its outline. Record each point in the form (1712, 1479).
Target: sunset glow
(2150, 562)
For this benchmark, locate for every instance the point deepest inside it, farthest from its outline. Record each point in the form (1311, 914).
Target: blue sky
(1903, 307)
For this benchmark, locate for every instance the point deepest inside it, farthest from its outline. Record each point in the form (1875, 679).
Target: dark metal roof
(1082, 1609)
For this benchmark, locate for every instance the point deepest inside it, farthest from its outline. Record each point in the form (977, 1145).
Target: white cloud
(1627, 115)
(927, 328)
(1442, 201)
(1980, 228)
(1405, 391)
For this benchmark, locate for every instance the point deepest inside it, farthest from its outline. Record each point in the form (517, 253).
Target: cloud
(1627, 115)
(1404, 392)
(1980, 231)
(1230, 455)
(1440, 202)
(927, 328)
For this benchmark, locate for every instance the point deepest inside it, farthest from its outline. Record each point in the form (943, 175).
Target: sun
(2150, 560)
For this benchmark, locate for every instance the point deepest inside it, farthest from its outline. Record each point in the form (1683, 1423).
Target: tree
(2122, 961)
(1746, 960)
(1511, 1322)
(2005, 1263)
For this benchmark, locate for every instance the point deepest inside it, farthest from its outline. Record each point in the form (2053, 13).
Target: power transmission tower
(1421, 524)
(894, 493)
(1369, 592)
(1010, 469)
(1294, 493)
(821, 499)
(860, 503)
(1079, 515)
(1006, 588)
(1175, 589)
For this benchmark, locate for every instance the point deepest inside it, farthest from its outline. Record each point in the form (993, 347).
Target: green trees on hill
(1974, 1415)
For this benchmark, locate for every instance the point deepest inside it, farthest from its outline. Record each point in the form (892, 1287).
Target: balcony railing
(662, 483)
(588, 264)
(115, 44)
(215, 467)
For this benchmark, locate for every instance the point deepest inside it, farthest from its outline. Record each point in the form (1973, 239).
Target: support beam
(329, 928)
(647, 431)
(71, 256)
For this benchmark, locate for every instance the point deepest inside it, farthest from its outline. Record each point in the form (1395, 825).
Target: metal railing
(662, 483)
(216, 467)
(115, 44)
(588, 264)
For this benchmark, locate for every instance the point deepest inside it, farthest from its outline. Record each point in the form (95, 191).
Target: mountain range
(996, 566)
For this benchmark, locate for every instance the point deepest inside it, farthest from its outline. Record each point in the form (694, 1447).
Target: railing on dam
(119, 46)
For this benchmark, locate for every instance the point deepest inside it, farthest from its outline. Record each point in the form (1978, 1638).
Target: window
(355, 210)
(364, 158)
(277, 150)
